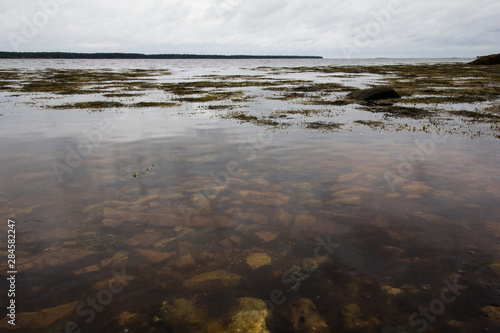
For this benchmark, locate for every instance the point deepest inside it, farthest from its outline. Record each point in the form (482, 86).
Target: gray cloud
(369, 28)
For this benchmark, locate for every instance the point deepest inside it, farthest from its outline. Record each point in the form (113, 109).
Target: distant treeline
(70, 55)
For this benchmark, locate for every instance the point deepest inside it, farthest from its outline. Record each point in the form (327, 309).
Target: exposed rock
(354, 320)
(266, 236)
(492, 59)
(256, 260)
(373, 94)
(153, 256)
(41, 319)
(215, 279)
(305, 317)
(492, 312)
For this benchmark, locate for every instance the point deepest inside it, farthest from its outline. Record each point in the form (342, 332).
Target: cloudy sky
(330, 28)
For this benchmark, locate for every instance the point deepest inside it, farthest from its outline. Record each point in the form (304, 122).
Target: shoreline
(118, 55)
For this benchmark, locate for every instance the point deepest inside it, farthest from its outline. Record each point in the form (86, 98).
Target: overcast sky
(330, 28)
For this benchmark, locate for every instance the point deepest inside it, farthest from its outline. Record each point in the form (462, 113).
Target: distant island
(71, 55)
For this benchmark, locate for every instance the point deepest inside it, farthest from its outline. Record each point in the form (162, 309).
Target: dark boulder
(374, 94)
(492, 59)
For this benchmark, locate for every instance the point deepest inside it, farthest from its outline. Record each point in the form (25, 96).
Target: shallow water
(169, 194)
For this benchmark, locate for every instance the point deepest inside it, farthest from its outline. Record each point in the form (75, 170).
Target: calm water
(171, 195)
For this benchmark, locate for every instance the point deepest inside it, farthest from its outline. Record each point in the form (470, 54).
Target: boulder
(492, 59)
(373, 94)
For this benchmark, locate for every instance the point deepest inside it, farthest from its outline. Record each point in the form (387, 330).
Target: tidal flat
(251, 196)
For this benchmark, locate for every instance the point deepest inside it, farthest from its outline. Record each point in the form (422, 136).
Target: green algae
(324, 126)
(371, 123)
(90, 105)
(153, 105)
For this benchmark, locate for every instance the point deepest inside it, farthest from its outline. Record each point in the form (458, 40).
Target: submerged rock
(215, 279)
(119, 259)
(58, 233)
(266, 236)
(256, 260)
(60, 257)
(304, 220)
(264, 198)
(186, 261)
(248, 315)
(41, 319)
(392, 291)
(373, 94)
(153, 256)
(492, 312)
(253, 217)
(251, 316)
(305, 317)
(347, 177)
(354, 320)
